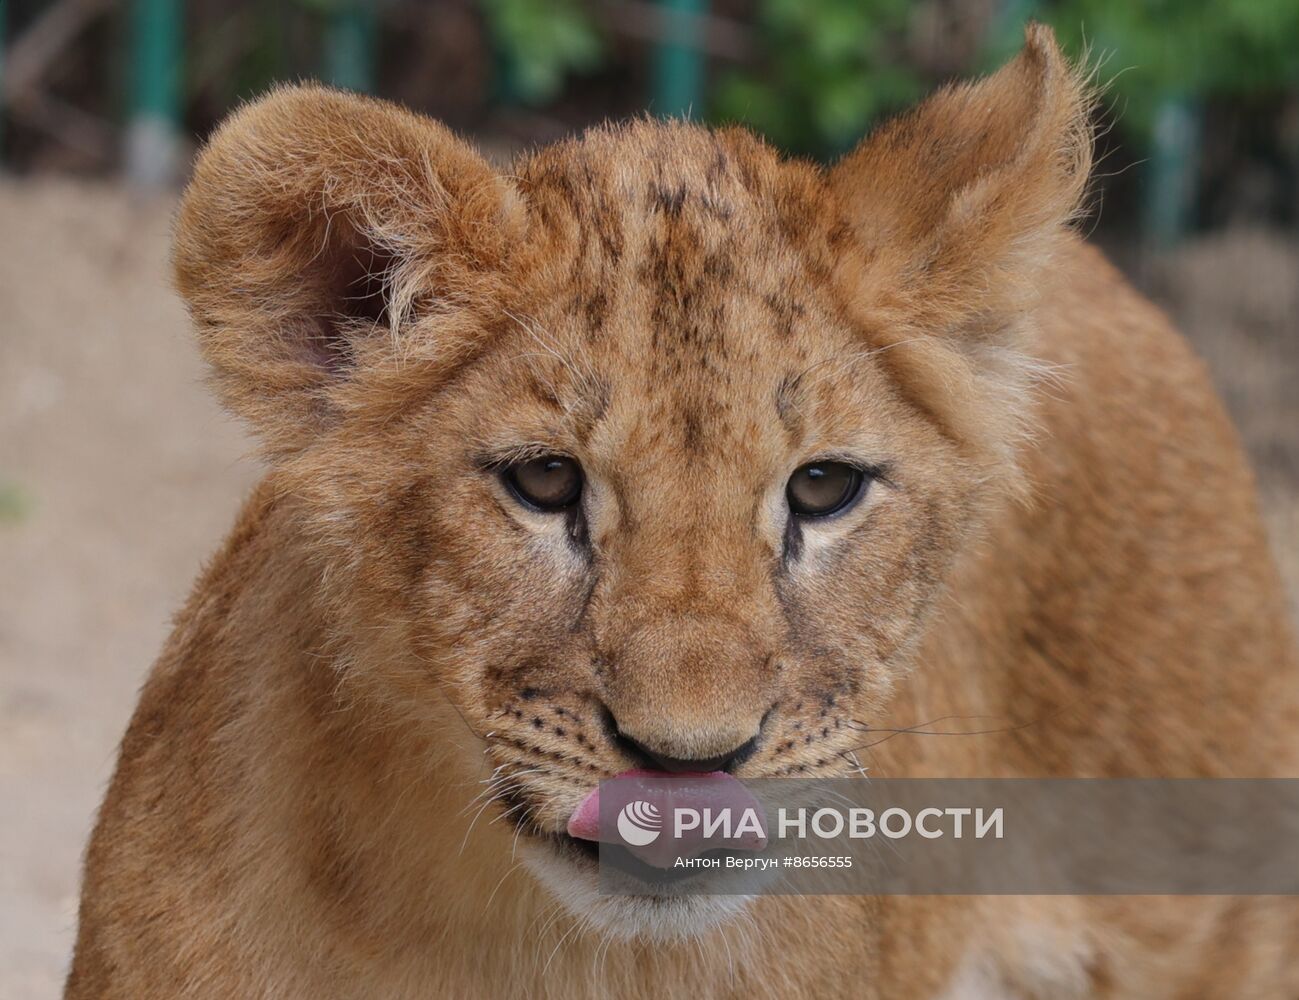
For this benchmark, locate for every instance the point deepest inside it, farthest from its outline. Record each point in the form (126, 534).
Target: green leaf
(541, 43)
(828, 69)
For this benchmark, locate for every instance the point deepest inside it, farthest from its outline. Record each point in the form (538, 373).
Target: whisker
(866, 726)
(559, 944)
(508, 872)
(920, 730)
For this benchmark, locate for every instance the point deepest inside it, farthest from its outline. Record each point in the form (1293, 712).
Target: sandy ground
(126, 477)
(1236, 296)
(118, 475)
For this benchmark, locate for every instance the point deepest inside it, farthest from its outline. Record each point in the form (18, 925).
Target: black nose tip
(656, 761)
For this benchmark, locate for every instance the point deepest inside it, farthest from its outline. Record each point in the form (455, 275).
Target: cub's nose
(688, 692)
(655, 759)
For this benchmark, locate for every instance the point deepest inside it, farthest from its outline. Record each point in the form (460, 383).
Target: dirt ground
(121, 476)
(118, 475)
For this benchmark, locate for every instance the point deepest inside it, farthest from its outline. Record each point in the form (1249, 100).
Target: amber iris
(820, 489)
(550, 483)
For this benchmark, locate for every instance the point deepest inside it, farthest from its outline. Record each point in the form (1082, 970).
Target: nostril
(654, 760)
(651, 756)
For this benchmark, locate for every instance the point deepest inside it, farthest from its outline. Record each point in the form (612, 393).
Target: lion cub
(661, 450)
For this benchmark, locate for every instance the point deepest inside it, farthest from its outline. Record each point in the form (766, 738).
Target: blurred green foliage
(824, 70)
(14, 503)
(830, 68)
(539, 42)
(1156, 49)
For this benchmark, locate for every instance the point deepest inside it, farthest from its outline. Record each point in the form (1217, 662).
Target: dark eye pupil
(823, 488)
(551, 482)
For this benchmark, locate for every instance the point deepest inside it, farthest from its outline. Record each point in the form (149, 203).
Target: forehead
(681, 281)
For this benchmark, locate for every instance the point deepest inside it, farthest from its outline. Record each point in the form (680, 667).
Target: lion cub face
(654, 452)
(694, 518)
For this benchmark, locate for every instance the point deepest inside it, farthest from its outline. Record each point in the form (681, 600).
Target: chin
(571, 874)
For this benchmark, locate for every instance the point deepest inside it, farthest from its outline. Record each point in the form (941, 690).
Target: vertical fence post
(678, 62)
(349, 45)
(1006, 31)
(4, 12)
(1173, 170)
(153, 133)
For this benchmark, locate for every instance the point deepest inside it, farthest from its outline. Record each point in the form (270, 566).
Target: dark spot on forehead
(692, 432)
(717, 208)
(785, 311)
(717, 167)
(594, 309)
(590, 407)
(786, 403)
(667, 199)
(719, 265)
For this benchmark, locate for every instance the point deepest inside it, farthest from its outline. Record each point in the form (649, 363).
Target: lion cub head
(651, 451)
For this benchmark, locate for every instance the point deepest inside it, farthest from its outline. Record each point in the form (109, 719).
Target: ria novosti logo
(639, 823)
(694, 827)
(714, 820)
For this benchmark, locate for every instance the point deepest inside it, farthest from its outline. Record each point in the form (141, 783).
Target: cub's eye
(549, 483)
(820, 489)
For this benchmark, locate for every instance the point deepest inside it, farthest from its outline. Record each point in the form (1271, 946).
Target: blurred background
(118, 475)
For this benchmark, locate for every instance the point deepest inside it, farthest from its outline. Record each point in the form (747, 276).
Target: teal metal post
(1006, 32)
(4, 14)
(350, 45)
(1173, 170)
(153, 132)
(678, 61)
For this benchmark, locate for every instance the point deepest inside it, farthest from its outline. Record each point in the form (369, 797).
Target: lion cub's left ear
(319, 231)
(960, 201)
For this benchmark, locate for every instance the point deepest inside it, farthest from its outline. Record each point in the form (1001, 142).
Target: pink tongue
(706, 793)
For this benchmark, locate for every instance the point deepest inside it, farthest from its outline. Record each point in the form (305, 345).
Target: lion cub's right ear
(320, 231)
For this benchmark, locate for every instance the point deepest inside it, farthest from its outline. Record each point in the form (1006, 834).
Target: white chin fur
(663, 919)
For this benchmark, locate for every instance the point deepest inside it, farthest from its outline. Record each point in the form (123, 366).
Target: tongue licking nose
(648, 801)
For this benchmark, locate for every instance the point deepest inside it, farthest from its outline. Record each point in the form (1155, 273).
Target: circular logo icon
(639, 823)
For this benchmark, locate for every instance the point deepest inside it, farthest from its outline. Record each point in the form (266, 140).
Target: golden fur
(393, 683)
